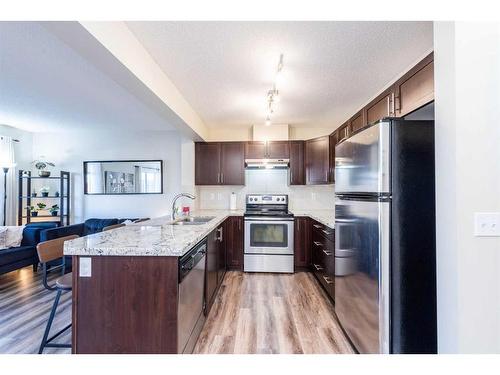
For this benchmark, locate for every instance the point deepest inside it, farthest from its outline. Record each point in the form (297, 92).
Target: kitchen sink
(195, 220)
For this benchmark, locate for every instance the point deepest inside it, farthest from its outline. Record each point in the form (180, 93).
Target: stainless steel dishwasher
(191, 315)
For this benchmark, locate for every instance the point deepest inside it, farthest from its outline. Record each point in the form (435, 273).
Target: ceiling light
(273, 95)
(268, 121)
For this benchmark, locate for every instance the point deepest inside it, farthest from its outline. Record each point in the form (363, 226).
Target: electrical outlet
(85, 269)
(487, 224)
(212, 196)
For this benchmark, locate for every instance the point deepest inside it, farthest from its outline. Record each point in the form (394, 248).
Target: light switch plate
(487, 224)
(85, 265)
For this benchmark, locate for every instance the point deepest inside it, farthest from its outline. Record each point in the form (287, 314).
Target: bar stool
(114, 226)
(49, 251)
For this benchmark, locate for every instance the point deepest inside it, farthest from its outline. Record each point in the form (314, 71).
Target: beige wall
(244, 133)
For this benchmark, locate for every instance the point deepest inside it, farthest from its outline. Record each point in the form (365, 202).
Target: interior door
(362, 272)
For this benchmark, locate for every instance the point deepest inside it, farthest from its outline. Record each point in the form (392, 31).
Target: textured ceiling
(46, 86)
(224, 69)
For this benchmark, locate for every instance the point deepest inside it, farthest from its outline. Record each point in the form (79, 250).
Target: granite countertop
(155, 237)
(325, 217)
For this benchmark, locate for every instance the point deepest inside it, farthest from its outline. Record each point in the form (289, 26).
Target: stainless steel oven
(268, 235)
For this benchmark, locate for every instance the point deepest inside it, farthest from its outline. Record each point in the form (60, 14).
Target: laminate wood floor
(272, 313)
(24, 310)
(253, 313)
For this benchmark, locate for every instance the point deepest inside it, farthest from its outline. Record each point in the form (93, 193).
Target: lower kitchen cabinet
(302, 243)
(323, 256)
(234, 243)
(212, 268)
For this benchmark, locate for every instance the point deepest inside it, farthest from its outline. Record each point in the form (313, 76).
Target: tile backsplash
(270, 181)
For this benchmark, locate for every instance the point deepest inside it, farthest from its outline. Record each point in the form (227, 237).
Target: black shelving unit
(25, 199)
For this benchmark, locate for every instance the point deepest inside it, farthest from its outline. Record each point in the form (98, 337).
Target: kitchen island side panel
(127, 305)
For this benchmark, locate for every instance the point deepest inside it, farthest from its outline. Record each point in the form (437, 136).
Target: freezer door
(362, 272)
(362, 162)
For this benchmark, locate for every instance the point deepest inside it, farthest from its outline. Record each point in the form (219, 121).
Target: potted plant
(32, 210)
(45, 191)
(40, 206)
(54, 210)
(42, 165)
(56, 194)
(33, 194)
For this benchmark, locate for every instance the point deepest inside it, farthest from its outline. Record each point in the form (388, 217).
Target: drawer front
(323, 230)
(323, 254)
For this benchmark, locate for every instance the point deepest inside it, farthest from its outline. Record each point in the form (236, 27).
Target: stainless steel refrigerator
(385, 261)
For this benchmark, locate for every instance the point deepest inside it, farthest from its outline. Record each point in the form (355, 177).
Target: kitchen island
(126, 285)
(126, 281)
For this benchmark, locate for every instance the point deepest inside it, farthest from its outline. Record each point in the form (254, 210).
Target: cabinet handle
(388, 106)
(220, 234)
(393, 105)
(318, 268)
(317, 243)
(326, 232)
(328, 279)
(222, 178)
(317, 226)
(327, 252)
(218, 178)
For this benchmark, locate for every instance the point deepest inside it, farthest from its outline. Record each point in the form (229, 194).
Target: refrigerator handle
(384, 277)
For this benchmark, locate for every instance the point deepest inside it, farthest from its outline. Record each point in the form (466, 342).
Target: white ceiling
(224, 69)
(47, 86)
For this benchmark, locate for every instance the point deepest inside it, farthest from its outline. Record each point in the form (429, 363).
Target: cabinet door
(342, 132)
(302, 243)
(357, 122)
(234, 243)
(296, 171)
(207, 163)
(255, 150)
(333, 141)
(381, 107)
(317, 161)
(232, 163)
(278, 150)
(416, 89)
(211, 268)
(221, 253)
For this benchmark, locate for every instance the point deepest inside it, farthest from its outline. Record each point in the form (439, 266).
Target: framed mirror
(119, 177)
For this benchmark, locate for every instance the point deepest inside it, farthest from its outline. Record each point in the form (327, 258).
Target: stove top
(267, 205)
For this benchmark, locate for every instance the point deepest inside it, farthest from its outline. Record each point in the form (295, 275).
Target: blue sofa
(24, 255)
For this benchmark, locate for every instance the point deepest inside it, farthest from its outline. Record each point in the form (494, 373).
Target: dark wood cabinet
(323, 256)
(317, 161)
(416, 88)
(302, 243)
(207, 163)
(212, 268)
(278, 150)
(333, 142)
(357, 122)
(221, 253)
(296, 172)
(220, 163)
(380, 107)
(234, 243)
(232, 163)
(255, 150)
(267, 150)
(343, 132)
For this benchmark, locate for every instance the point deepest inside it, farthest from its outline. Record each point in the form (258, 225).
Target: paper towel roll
(232, 201)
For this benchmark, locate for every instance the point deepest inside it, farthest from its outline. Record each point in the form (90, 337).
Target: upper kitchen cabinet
(207, 163)
(317, 161)
(232, 163)
(267, 150)
(357, 121)
(333, 141)
(255, 150)
(278, 150)
(297, 171)
(343, 132)
(380, 107)
(220, 163)
(416, 88)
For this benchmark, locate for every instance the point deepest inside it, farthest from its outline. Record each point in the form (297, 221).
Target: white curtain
(7, 160)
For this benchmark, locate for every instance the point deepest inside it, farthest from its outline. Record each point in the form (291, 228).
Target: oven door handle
(270, 220)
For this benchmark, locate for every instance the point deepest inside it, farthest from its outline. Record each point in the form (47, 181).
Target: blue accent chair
(24, 255)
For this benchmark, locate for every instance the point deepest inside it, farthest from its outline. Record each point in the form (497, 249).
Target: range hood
(267, 163)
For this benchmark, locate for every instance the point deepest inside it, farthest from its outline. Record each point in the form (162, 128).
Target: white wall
(22, 149)
(271, 181)
(467, 92)
(69, 150)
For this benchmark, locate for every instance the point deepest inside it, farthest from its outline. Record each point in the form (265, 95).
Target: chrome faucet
(187, 195)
